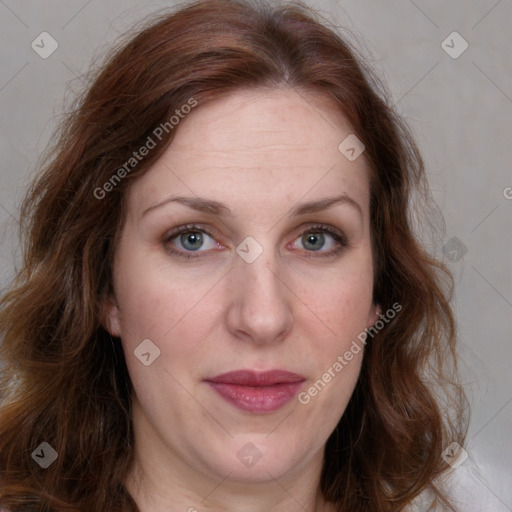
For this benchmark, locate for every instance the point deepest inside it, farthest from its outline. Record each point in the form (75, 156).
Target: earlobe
(111, 317)
(374, 315)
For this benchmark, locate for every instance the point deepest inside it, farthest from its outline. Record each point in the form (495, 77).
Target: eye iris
(311, 239)
(192, 240)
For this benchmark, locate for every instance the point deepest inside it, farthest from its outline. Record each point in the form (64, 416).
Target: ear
(111, 317)
(373, 315)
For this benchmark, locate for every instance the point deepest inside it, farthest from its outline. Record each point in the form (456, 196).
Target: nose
(260, 303)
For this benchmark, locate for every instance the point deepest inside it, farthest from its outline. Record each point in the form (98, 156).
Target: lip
(257, 392)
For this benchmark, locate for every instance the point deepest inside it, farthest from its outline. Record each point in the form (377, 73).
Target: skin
(253, 150)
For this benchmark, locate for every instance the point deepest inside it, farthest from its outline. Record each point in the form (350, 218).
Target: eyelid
(326, 228)
(185, 228)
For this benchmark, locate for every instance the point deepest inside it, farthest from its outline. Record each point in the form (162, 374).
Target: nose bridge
(260, 307)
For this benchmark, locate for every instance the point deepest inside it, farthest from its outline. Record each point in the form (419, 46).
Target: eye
(186, 240)
(191, 240)
(319, 237)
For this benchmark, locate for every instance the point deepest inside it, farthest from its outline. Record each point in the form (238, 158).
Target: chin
(254, 459)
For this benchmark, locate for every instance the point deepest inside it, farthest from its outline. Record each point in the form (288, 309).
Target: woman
(223, 305)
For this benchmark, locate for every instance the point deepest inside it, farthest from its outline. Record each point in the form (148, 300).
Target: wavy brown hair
(64, 379)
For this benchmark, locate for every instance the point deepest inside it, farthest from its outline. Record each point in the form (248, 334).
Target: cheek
(335, 315)
(155, 300)
(340, 303)
(176, 314)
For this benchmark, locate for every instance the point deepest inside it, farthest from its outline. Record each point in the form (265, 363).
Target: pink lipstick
(257, 392)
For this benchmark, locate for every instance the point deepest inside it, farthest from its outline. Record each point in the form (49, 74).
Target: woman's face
(255, 284)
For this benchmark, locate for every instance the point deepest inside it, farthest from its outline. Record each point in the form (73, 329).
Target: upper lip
(253, 378)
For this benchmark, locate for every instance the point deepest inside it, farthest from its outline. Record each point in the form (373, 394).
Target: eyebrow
(212, 207)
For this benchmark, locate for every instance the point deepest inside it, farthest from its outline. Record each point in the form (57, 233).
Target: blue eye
(311, 240)
(314, 240)
(195, 239)
(191, 240)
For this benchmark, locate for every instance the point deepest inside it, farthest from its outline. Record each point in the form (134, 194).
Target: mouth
(257, 392)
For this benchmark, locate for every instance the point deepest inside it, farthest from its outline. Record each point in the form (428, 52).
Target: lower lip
(257, 399)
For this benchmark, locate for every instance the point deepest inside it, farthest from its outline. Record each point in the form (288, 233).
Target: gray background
(460, 110)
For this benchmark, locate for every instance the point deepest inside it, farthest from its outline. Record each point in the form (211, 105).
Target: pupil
(192, 240)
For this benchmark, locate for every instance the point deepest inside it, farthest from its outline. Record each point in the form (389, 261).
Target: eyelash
(338, 237)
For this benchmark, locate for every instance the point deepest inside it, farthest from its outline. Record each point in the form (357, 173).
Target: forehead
(301, 120)
(270, 146)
